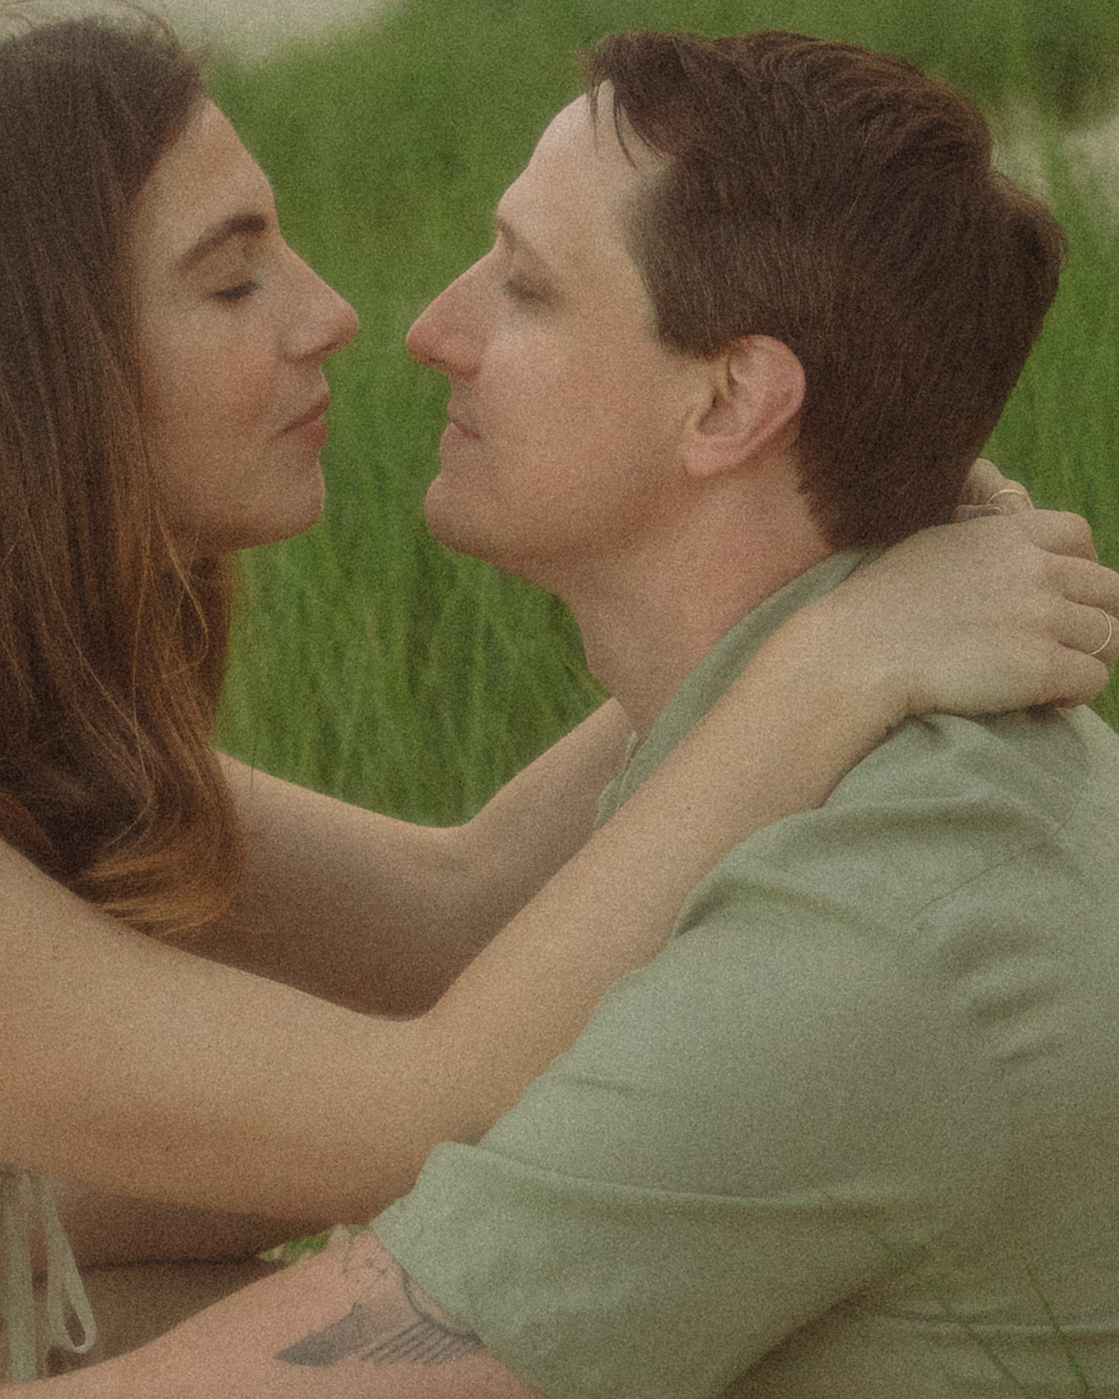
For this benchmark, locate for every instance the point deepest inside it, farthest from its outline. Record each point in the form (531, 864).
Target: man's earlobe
(759, 391)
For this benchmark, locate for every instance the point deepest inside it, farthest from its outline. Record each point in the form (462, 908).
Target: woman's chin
(215, 538)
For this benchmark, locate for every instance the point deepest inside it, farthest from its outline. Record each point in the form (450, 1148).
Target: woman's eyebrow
(232, 227)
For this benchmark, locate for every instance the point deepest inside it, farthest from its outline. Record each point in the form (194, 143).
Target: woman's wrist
(835, 663)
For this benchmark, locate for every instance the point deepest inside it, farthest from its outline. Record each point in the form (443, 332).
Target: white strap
(20, 1194)
(19, 1295)
(64, 1284)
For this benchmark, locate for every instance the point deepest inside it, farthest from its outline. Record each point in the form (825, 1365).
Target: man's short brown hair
(845, 204)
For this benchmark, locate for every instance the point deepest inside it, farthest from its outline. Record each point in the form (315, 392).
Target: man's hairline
(630, 206)
(650, 183)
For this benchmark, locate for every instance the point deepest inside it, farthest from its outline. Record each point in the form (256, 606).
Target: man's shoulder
(1046, 761)
(1022, 806)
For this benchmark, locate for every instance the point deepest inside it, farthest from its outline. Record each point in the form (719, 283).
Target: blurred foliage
(371, 663)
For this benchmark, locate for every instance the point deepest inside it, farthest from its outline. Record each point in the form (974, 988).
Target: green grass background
(371, 663)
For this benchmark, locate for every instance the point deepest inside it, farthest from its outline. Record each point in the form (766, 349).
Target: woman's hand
(988, 492)
(987, 615)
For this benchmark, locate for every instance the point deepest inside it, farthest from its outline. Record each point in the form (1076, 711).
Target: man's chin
(477, 537)
(449, 525)
(454, 518)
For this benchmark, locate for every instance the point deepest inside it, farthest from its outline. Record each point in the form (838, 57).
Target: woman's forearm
(149, 1072)
(105, 1229)
(382, 915)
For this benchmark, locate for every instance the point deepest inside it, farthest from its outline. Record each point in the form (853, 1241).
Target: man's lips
(460, 423)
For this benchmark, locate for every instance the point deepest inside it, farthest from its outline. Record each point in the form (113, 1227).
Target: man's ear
(758, 390)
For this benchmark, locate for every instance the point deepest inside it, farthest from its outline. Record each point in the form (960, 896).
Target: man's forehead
(598, 134)
(570, 127)
(579, 185)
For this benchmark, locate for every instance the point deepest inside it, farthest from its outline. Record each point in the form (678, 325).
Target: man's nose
(444, 336)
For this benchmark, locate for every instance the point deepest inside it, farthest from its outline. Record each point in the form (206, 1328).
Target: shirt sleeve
(781, 1108)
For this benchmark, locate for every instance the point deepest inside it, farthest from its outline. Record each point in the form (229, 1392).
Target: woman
(162, 406)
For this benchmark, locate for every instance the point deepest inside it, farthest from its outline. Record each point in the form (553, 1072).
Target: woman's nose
(325, 322)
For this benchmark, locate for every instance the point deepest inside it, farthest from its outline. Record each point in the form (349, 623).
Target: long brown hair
(844, 203)
(112, 647)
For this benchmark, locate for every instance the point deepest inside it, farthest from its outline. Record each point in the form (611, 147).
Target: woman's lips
(311, 425)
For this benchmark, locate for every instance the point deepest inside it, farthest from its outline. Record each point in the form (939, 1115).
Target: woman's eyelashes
(235, 273)
(239, 292)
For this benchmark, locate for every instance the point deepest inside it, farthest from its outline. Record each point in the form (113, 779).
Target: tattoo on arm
(389, 1326)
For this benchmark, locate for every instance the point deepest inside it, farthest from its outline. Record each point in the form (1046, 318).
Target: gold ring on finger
(1110, 632)
(1010, 490)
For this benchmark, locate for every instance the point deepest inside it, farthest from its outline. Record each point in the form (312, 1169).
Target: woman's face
(234, 329)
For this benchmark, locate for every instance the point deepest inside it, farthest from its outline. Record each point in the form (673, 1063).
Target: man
(752, 308)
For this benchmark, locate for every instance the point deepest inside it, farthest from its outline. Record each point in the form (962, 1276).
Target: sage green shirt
(855, 1133)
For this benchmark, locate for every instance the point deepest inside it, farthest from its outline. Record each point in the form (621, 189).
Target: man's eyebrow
(234, 226)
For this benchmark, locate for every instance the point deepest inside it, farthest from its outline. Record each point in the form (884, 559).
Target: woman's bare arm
(145, 1070)
(349, 1324)
(369, 912)
(381, 915)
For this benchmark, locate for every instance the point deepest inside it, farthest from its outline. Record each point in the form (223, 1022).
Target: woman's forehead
(205, 182)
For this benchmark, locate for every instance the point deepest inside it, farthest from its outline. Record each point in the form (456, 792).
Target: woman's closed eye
(239, 292)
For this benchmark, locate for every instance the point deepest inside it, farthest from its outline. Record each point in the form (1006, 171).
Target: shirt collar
(719, 668)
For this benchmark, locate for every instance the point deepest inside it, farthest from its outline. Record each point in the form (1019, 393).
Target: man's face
(562, 454)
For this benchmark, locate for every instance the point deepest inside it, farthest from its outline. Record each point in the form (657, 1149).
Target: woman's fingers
(987, 616)
(988, 492)
(1085, 612)
(1093, 631)
(1081, 581)
(1079, 680)
(1058, 532)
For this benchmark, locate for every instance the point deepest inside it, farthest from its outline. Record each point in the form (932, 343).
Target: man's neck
(644, 633)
